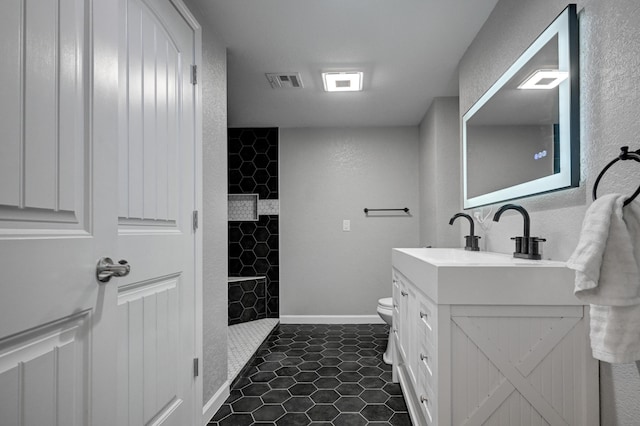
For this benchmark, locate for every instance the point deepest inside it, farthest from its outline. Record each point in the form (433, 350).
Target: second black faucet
(527, 247)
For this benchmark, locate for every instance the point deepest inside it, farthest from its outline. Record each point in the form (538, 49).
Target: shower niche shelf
(243, 207)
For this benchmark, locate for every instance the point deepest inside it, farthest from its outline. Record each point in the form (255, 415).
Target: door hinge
(194, 74)
(196, 369)
(195, 220)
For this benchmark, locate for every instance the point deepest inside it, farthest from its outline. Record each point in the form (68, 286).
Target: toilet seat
(385, 303)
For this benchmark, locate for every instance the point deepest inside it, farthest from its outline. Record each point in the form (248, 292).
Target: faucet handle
(528, 247)
(534, 247)
(471, 242)
(519, 246)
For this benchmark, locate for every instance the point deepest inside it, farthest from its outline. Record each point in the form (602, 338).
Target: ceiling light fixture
(342, 81)
(544, 79)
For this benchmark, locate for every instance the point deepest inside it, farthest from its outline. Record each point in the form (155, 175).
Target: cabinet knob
(423, 399)
(423, 315)
(423, 357)
(404, 293)
(395, 306)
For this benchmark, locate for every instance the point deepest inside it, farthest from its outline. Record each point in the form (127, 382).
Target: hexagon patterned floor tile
(306, 374)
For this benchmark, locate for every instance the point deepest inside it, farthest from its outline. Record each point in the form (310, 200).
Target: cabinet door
(427, 357)
(398, 316)
(411, 321)
(407, 325)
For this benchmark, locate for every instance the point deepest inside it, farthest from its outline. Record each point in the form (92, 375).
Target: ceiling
(408, 49)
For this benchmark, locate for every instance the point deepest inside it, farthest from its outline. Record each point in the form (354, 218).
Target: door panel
(57, 348)
(149, 325)
(42, 155)
(156, 183)
(44, 186)
(36, 366)
(149, 154)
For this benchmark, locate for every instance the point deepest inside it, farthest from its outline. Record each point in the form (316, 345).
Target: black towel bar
(406, 210)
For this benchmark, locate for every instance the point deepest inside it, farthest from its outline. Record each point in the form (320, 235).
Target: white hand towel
(606, 262)
(607, 256)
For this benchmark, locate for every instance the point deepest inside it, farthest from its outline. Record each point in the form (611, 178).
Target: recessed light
(544, 79)
(342, 81)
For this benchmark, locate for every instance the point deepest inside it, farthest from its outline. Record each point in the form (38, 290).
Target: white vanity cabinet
(485, 339)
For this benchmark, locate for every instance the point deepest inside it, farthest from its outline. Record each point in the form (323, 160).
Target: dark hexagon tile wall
(253, 251)
(253, 162)
(247, 301)
(253, 246)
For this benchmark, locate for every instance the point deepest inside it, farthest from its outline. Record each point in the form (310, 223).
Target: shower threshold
(244, 340)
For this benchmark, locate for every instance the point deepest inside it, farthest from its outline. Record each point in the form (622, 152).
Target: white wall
(213, 78)
(609, 75)
(440, 176)
(330, 174)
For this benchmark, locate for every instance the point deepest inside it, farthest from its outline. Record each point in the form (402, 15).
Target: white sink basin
(461, 257)
(457, 276)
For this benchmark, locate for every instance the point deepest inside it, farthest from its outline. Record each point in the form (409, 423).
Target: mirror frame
(565, 26)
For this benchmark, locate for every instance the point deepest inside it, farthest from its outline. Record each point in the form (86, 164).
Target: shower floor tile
(306, 374)
(244, 339)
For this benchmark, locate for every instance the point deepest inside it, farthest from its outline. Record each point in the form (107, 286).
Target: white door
(156, 301)
(76, 186)
(58, 133)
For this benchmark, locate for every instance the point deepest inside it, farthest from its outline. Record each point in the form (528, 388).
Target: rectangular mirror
(522, 136)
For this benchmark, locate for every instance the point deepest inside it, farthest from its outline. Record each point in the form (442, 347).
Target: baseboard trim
(331, 319)
(214, 404)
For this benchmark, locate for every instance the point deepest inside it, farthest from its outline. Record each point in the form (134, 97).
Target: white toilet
(385, 310)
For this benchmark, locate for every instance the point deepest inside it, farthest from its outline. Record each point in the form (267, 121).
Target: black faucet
(527, 247)
(471, 240)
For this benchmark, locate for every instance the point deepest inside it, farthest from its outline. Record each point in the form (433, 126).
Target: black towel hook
(625, 154)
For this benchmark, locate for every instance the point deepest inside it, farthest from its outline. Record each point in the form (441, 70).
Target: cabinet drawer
(427, 403)
(427, 365)
(427, 374)
(427, 384)
(399, 347)
(426, 319)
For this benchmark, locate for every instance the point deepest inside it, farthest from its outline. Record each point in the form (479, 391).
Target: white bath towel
(606, 262)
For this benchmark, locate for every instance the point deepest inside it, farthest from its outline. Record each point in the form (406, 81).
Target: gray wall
(609, 73)
(440, 175)
(213, 78)
(327, 175)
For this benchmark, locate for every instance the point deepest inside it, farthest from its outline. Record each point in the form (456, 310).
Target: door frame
(186, 14)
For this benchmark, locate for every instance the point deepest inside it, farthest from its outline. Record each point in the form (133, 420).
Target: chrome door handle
(107, 269)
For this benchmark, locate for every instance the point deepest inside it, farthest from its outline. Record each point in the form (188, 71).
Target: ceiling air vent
(285, 80)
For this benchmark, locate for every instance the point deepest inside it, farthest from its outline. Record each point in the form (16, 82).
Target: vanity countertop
(456, 276)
